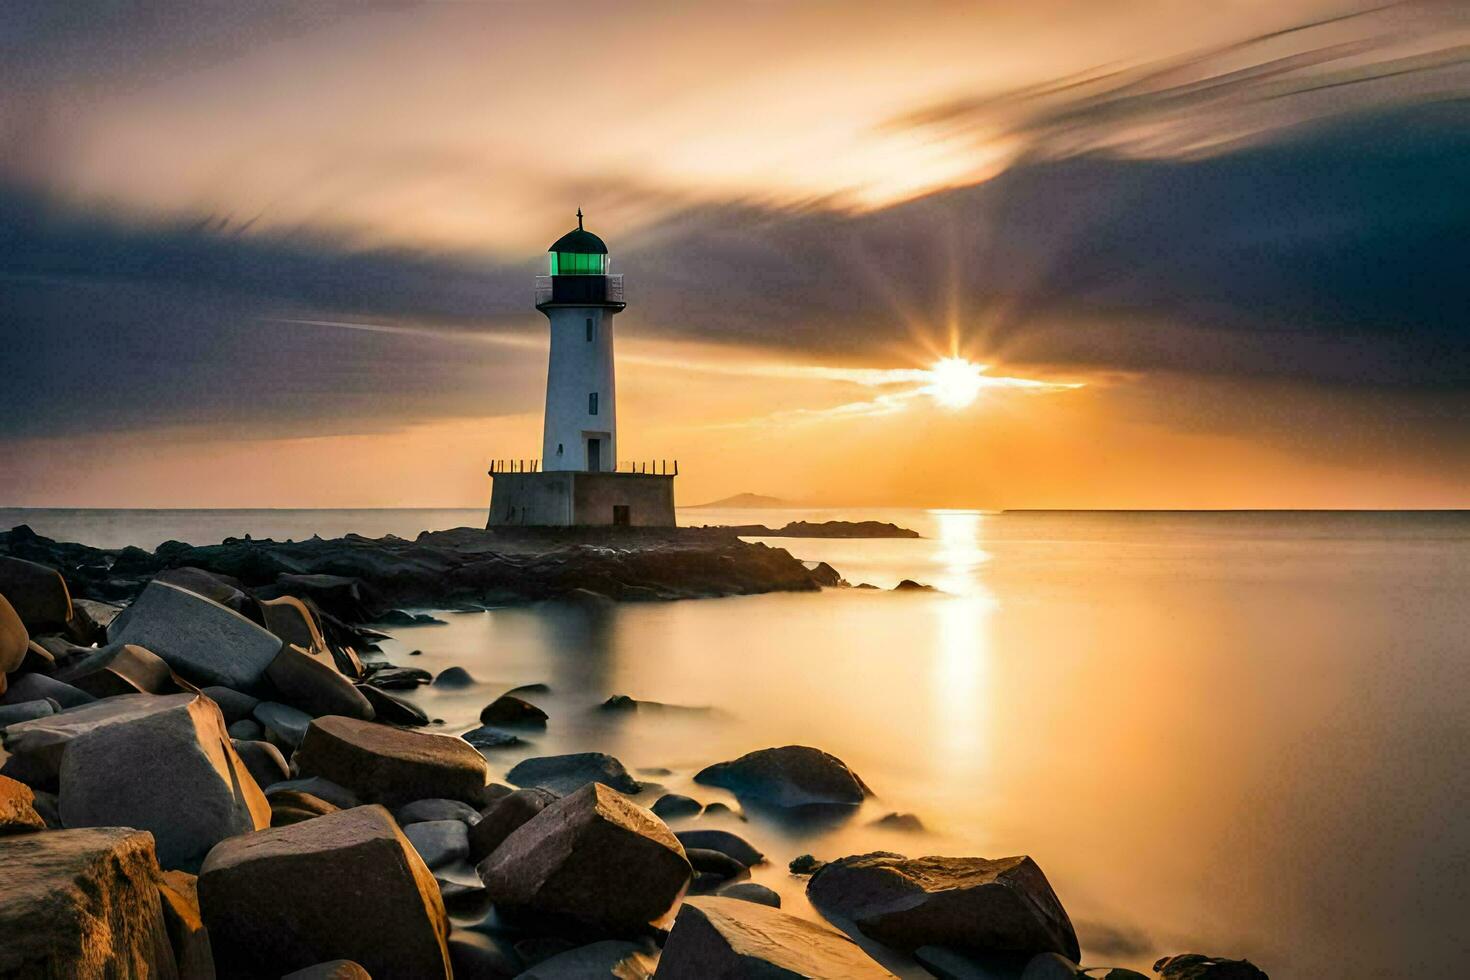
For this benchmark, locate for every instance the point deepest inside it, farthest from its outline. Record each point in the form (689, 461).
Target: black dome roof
(579, 240)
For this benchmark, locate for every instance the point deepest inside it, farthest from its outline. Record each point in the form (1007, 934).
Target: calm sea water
(1236, 733)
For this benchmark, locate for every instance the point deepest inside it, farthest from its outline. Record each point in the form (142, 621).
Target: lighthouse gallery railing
(579, 289)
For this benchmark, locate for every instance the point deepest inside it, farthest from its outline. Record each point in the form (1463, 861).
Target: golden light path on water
(961, 667)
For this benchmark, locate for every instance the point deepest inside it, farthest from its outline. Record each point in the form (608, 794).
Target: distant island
(825, 529)
(746, 501)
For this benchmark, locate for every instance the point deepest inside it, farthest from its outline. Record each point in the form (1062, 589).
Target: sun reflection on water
(961, 663)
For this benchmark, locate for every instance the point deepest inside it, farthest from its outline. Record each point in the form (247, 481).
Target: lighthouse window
(592, 403)
(591, 331)
(578, 264)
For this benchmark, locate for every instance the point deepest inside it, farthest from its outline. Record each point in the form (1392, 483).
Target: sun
(955, 382)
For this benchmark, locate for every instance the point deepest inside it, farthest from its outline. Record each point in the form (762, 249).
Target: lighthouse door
(594, 455)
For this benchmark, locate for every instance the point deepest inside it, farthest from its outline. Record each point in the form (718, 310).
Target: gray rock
(170, 770)
(750, 891)
(503, 817)
(789, 776)
(247, 730)
(285, 726)
(393, 710)
(293, 806)
(82, 903)
(967, 904)
(204, 641)
(25, 711)
(263, 760)
(290, 619)
(215, 587)
(713, 869)
(18, 808)
(477, 956)
(313, 684)
(565, 774)
(672, 805)
(36, 747)
(339, 796)
(399, 678)
(36, 687)
(489, 738)
(119, 668)
(510, 711)
(391, 766)
(421, 811)
(15, 639)
(594, 857)
(439, 842)
(344, 885)
(1197, 966)
(455, 678)
(611, 959)
(37, 594)
(233, 704)
(728, 938)
(733, 845)
(949, 964)
(101, 613)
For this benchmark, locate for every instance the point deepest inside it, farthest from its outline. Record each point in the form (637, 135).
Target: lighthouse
(579, 480)
(580, 298)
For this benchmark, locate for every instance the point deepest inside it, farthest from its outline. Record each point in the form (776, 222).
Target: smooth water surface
(1238, 733)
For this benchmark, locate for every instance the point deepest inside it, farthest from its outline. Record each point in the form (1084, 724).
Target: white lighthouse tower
(578, 480)
(580, 298)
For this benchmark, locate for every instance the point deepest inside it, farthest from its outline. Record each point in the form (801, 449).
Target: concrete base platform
(569, 498)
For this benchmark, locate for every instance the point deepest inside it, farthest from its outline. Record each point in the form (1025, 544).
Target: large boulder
(509, 711)
(390, 765)
(504, 817)
(342, 886)
(171, 770)
(36, 746)
(595, 858)
(15, 640)
(566, 774)
(36, 687)
(18, 808)
(976, 904)
(1197, 966)
(82, 904)
(288, 618)
(119, 668)
(312, 683)
(207, 643)
(789, 776)
(25, 711)
(264, 761)
(735, 940)
(179, 893)
(285, 727)
(439, 842)
(37, 593)
(725, 842)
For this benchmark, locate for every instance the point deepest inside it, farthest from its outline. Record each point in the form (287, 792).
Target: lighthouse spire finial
(579, 219)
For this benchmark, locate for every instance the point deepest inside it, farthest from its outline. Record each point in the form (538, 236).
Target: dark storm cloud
(1332, 253)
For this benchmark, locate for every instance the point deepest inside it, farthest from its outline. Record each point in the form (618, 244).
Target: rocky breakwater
(209, 783)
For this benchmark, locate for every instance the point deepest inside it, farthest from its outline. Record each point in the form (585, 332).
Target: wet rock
(246, 730)
(170, 769)
(723, 841)
(524, 689)
(908, 823)
(420, 811)
(203, 641)
(721, 809)
(15, 639)
(805, 864)
(439, 842)
(987, 906)
(672, 805)
(725, 937)
(390, 765)
(391, 710)
(826, 576)
(10, 714)
(1197, 966)
(611, 959)
(285, 726)
(398, 617)
(290, 619)
(565, 774)
(38, 687)
(949, 964)
(593, 857)
(790, 776)
(82, 903)
(454, 678)
(479, 957)
(503, 817)
(342, 596)
(399, 678)
(178, 893)
(313, 684)
(263, 760)
(232, 704)
(37, 594)
(339, 796)
(489, 738)
(119, 668)
(17, 808)
(347, 884)
(332, 970)
(510, 711)
(750, 891)
(909, 585)
(713, 869)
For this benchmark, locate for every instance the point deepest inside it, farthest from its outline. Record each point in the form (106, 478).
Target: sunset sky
(281, 254)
